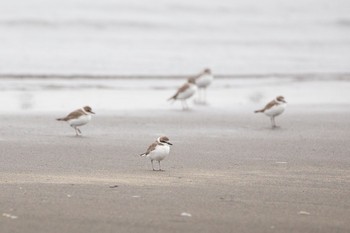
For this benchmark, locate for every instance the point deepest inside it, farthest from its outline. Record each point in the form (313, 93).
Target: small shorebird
(203, 80)
(78, 118)
(184, 92)
(158, 150)
(274, 108)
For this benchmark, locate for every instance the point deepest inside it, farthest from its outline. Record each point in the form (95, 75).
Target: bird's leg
(76, 131)
(184, 105)
(273, 124)
(79, 130)
(160, 169)
(152, 165)
(204, 95)
(199, 100)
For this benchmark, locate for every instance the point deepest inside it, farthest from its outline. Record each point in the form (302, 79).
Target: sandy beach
(227, 172)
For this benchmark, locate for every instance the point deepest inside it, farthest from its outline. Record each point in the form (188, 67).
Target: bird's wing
(75, 114)
(151, 148)
(181, 89)
(267, 106)
(270, 105)
(195, 77)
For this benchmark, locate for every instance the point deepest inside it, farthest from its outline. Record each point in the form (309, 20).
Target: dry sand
(228, 170)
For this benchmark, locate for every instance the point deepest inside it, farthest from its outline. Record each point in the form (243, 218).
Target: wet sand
(227, 169)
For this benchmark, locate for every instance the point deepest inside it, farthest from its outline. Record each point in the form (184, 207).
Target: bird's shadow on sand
(154, 171)
(77, 137)
(271, 129)
(264, 129)
(179, 110)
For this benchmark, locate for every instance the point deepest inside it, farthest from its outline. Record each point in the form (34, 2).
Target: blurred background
(171, 37)
(259, 49)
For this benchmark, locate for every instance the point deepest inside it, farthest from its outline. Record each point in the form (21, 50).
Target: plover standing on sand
(184, 92)
(78, 118)
(274, 108)
(158, 150)
(203, 80)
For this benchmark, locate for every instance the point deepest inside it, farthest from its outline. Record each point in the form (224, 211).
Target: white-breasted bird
(158, 150)
(203, 80)
(274, 108)
(77, 118)
(184, 92)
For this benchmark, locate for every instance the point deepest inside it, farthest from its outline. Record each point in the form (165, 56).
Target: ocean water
(124, 96)
(170, 37)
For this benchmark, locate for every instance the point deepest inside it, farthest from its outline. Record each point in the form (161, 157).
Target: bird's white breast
(82, 120)
(276, 110)
(188, 92)
(204, 80)
(160, 152)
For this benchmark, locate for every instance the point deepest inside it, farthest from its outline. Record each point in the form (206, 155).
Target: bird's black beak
(92, 112)
(166, 143)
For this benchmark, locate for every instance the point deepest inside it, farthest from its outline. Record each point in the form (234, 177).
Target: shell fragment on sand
(303, 213)
(184, 214)
(9, 216)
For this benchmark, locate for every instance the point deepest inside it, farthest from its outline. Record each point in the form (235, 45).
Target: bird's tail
(173, 98)
(143, 154)
(61, 119)
(261, 110)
